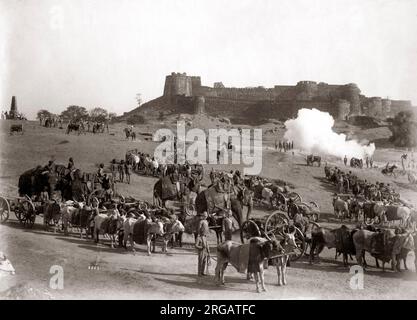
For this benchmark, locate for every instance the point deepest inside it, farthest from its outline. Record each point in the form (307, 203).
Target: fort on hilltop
(186, 94)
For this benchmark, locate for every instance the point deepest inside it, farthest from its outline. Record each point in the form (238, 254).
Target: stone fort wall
(281, 101)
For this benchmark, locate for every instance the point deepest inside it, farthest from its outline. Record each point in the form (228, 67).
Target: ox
(103, 224)
(395, 213)
(340, 238)
(78, 216)
(145, 231)
(384, 245)
(52, 213)
(254, 256)
(170, 229)
(341, 208)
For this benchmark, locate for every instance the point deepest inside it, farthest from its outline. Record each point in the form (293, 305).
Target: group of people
(284, 145)
(121, 171)
(9, 115)
(369, 161)
(350, 183)
(51, 121)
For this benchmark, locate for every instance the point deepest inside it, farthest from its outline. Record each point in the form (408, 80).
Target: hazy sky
(102, 52)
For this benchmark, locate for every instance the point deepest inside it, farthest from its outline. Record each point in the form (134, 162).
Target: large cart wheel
(279, 202)
(301, 244)
(27, 213)
(4, 210)
(295, 197)
(248, 230)
(275, 224)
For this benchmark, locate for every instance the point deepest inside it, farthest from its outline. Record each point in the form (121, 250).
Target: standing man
(113, 169)
(367, 162)
(345, 160)
(371, 162)
(228, 226)
(128, 169)
(202, 245)
(280, 146)
(121, 168)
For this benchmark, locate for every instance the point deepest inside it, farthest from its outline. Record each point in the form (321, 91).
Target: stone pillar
(13, 108)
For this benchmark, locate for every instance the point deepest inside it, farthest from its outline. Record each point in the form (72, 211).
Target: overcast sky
(102, 52)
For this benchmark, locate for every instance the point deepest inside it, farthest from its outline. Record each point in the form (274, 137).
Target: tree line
(404, 129)
(78, 113)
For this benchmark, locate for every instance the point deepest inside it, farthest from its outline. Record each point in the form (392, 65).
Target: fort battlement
(340, 100)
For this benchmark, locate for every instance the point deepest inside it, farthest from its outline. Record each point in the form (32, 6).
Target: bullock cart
(23, 208)
(273, 226)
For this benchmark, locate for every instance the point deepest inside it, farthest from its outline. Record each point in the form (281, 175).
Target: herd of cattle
(376, 202)
(134, 221)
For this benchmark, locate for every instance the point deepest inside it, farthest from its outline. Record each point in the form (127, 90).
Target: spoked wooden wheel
(275, 224)
(4, 210)
(279, 202)
(300, 242)
(248, 230)
(28, 213)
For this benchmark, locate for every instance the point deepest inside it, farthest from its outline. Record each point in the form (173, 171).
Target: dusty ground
(122, 275)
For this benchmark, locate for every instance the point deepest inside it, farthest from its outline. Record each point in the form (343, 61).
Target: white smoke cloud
(312, 131)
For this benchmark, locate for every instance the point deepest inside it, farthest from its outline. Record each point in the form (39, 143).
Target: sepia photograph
(211, 150)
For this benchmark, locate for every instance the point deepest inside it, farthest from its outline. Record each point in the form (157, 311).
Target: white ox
(107, 225)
